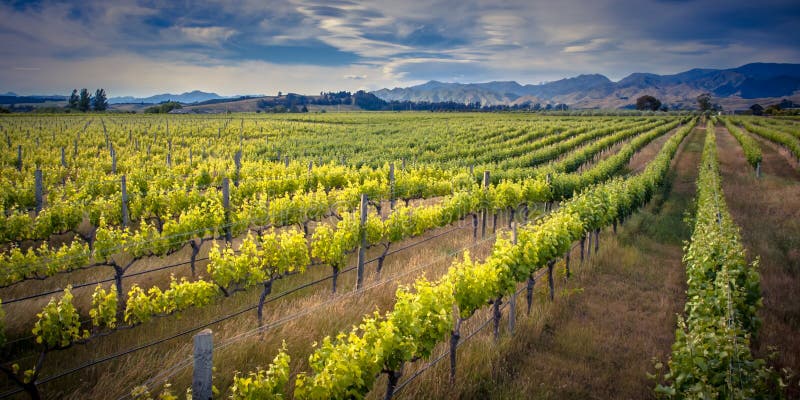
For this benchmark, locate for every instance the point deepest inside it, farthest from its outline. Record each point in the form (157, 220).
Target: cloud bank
(233, 47)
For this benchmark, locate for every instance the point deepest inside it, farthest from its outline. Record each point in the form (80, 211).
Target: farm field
(400, 255)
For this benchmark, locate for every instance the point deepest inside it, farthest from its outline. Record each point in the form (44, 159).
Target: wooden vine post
(203, 365)
(475, 226)
(237, 161)
(496, 315)
(583, 246)
(124, 190)
(113, 160)
(39, 189)
(485, 209)
(362, 248)
(596, 240)
(455, 335)
(588, 245)
(529, 291)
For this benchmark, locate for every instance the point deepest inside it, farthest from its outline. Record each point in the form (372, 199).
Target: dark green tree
(85, 100)
(100, 101)
(163, 108)
(648, 102)
(773, 109)
(757, 109)
(73, 99)
(704, 102)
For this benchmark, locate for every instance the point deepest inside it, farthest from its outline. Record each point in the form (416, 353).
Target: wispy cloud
(591, 45)
(207, 35)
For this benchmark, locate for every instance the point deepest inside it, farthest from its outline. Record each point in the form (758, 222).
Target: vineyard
(382, 255)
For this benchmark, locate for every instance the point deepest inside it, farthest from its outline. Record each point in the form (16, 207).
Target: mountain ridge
(194, 96)
(733, 88)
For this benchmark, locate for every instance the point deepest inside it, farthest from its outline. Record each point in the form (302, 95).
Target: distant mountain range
(192, 97)
(11, 98)
(196, 96)
(734, 88)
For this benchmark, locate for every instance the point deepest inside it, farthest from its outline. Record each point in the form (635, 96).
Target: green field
(345, 255)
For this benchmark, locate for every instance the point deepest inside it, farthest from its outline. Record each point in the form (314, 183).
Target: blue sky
(307, 46)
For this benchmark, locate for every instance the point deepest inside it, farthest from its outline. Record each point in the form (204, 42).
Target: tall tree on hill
(100, 101)
(648, 102)
(704, 102)
(85, 100)
(73, 99)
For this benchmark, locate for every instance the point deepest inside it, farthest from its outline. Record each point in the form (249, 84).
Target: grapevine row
(711, 356)
(348, 365)
(786, 140)
(252, 266)
(752, 152)
(287, 210)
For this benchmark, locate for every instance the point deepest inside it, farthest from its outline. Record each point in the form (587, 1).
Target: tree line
(84, 101)
(292, 102)
(785, 107)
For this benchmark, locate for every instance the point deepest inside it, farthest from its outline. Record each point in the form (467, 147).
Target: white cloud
(502, 29)
(394, 69)
(592, 45)
(207, 35)
(347, 33)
